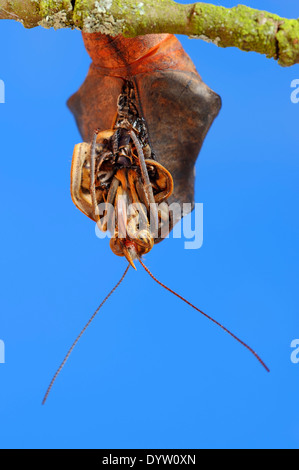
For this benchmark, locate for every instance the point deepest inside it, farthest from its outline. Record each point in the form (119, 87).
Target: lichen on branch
(243, 27)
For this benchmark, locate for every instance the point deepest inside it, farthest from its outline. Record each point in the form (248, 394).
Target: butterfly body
(152, 112)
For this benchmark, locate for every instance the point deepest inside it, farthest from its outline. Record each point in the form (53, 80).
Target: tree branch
(241, 26)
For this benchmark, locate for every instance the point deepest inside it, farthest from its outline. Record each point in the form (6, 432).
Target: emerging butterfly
(125, 178)
(119, 171)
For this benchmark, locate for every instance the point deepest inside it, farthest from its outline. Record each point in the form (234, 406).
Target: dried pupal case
(171, 99)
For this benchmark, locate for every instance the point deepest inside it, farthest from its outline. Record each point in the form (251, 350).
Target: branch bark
(241, 26)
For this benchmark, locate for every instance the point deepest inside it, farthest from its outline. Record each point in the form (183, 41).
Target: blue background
(150, 372)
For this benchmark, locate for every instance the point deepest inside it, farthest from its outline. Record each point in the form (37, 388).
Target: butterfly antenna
(80, 334)
(207, 316)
